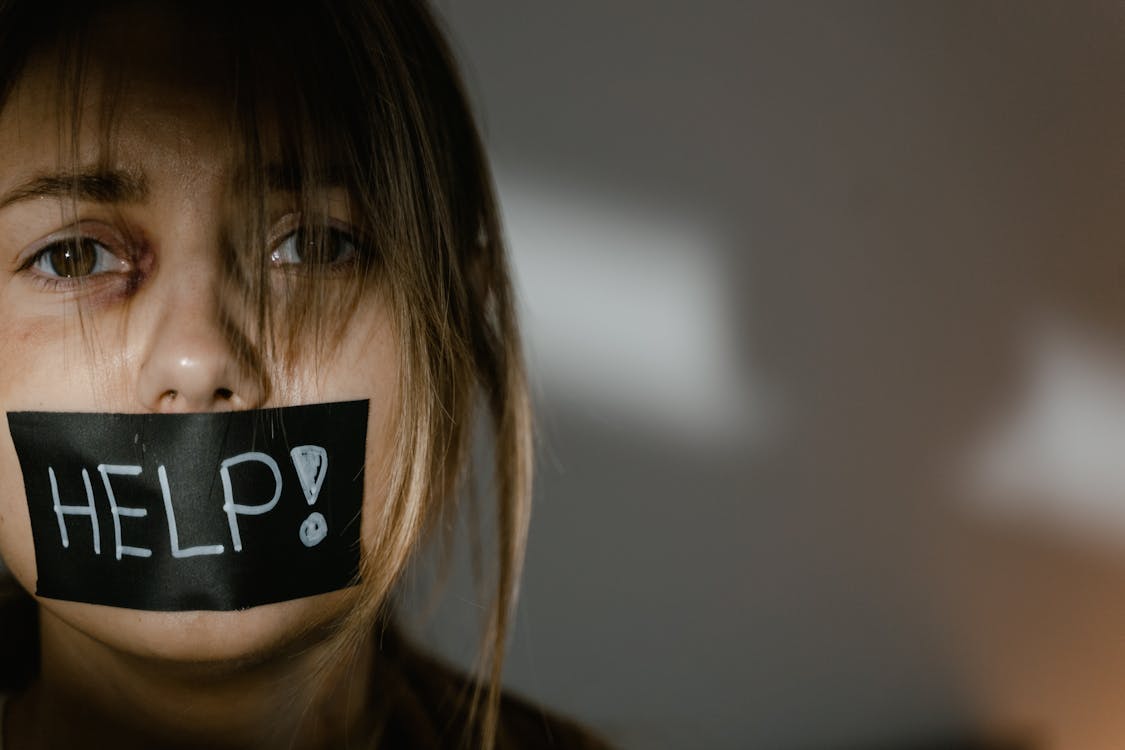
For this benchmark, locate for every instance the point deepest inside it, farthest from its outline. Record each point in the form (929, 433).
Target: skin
(152, 312)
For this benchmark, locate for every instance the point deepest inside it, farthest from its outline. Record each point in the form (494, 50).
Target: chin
(205, 638)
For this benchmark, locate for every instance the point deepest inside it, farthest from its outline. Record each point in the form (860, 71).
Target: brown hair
(364, 93)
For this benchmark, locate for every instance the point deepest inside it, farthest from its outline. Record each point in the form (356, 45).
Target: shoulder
(430, 707)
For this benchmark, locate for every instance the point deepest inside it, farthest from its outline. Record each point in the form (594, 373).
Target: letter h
(76, 510)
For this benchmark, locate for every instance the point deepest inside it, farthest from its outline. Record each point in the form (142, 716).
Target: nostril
(224, 394)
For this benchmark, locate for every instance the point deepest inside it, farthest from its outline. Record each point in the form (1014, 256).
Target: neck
(305, 697)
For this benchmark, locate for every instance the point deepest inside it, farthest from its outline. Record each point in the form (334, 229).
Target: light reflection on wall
(1054, 456)
(625, 312)
(904, 186)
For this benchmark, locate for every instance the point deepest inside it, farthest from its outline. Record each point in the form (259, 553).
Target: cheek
(45, 365)
(22, 344)
(53, 363)
(25, 383)
(16, 547)
(367, 366)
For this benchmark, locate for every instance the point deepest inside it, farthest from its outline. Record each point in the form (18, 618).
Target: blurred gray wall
(778, 265)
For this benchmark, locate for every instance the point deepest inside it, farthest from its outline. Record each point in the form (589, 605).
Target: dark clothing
(426, 702)
(428, 707)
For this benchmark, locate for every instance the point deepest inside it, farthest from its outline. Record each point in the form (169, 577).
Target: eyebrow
(95, 186)
(119, 186)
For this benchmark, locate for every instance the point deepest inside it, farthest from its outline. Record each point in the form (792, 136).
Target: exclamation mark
(311, 463)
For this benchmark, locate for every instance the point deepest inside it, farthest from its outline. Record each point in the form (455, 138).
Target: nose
(194, 361)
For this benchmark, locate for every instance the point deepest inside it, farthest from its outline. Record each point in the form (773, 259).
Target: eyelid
(282, 228)
(290, 224)
(123, 246)
(294, 220)
(100, 232)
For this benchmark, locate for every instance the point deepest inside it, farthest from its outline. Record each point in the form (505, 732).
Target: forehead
(182, 97)
(168, 128)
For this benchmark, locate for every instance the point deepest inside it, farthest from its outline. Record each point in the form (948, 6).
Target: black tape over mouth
(215, 511)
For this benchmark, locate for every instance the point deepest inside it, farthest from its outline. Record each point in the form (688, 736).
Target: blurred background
(825, 311)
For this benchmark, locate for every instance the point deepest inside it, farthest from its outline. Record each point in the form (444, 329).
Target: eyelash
(317, 237)
(42, 269)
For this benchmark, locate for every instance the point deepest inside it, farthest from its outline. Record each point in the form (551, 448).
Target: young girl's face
(137, 316)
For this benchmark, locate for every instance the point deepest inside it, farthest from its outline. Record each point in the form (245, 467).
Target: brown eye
(74, 258)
